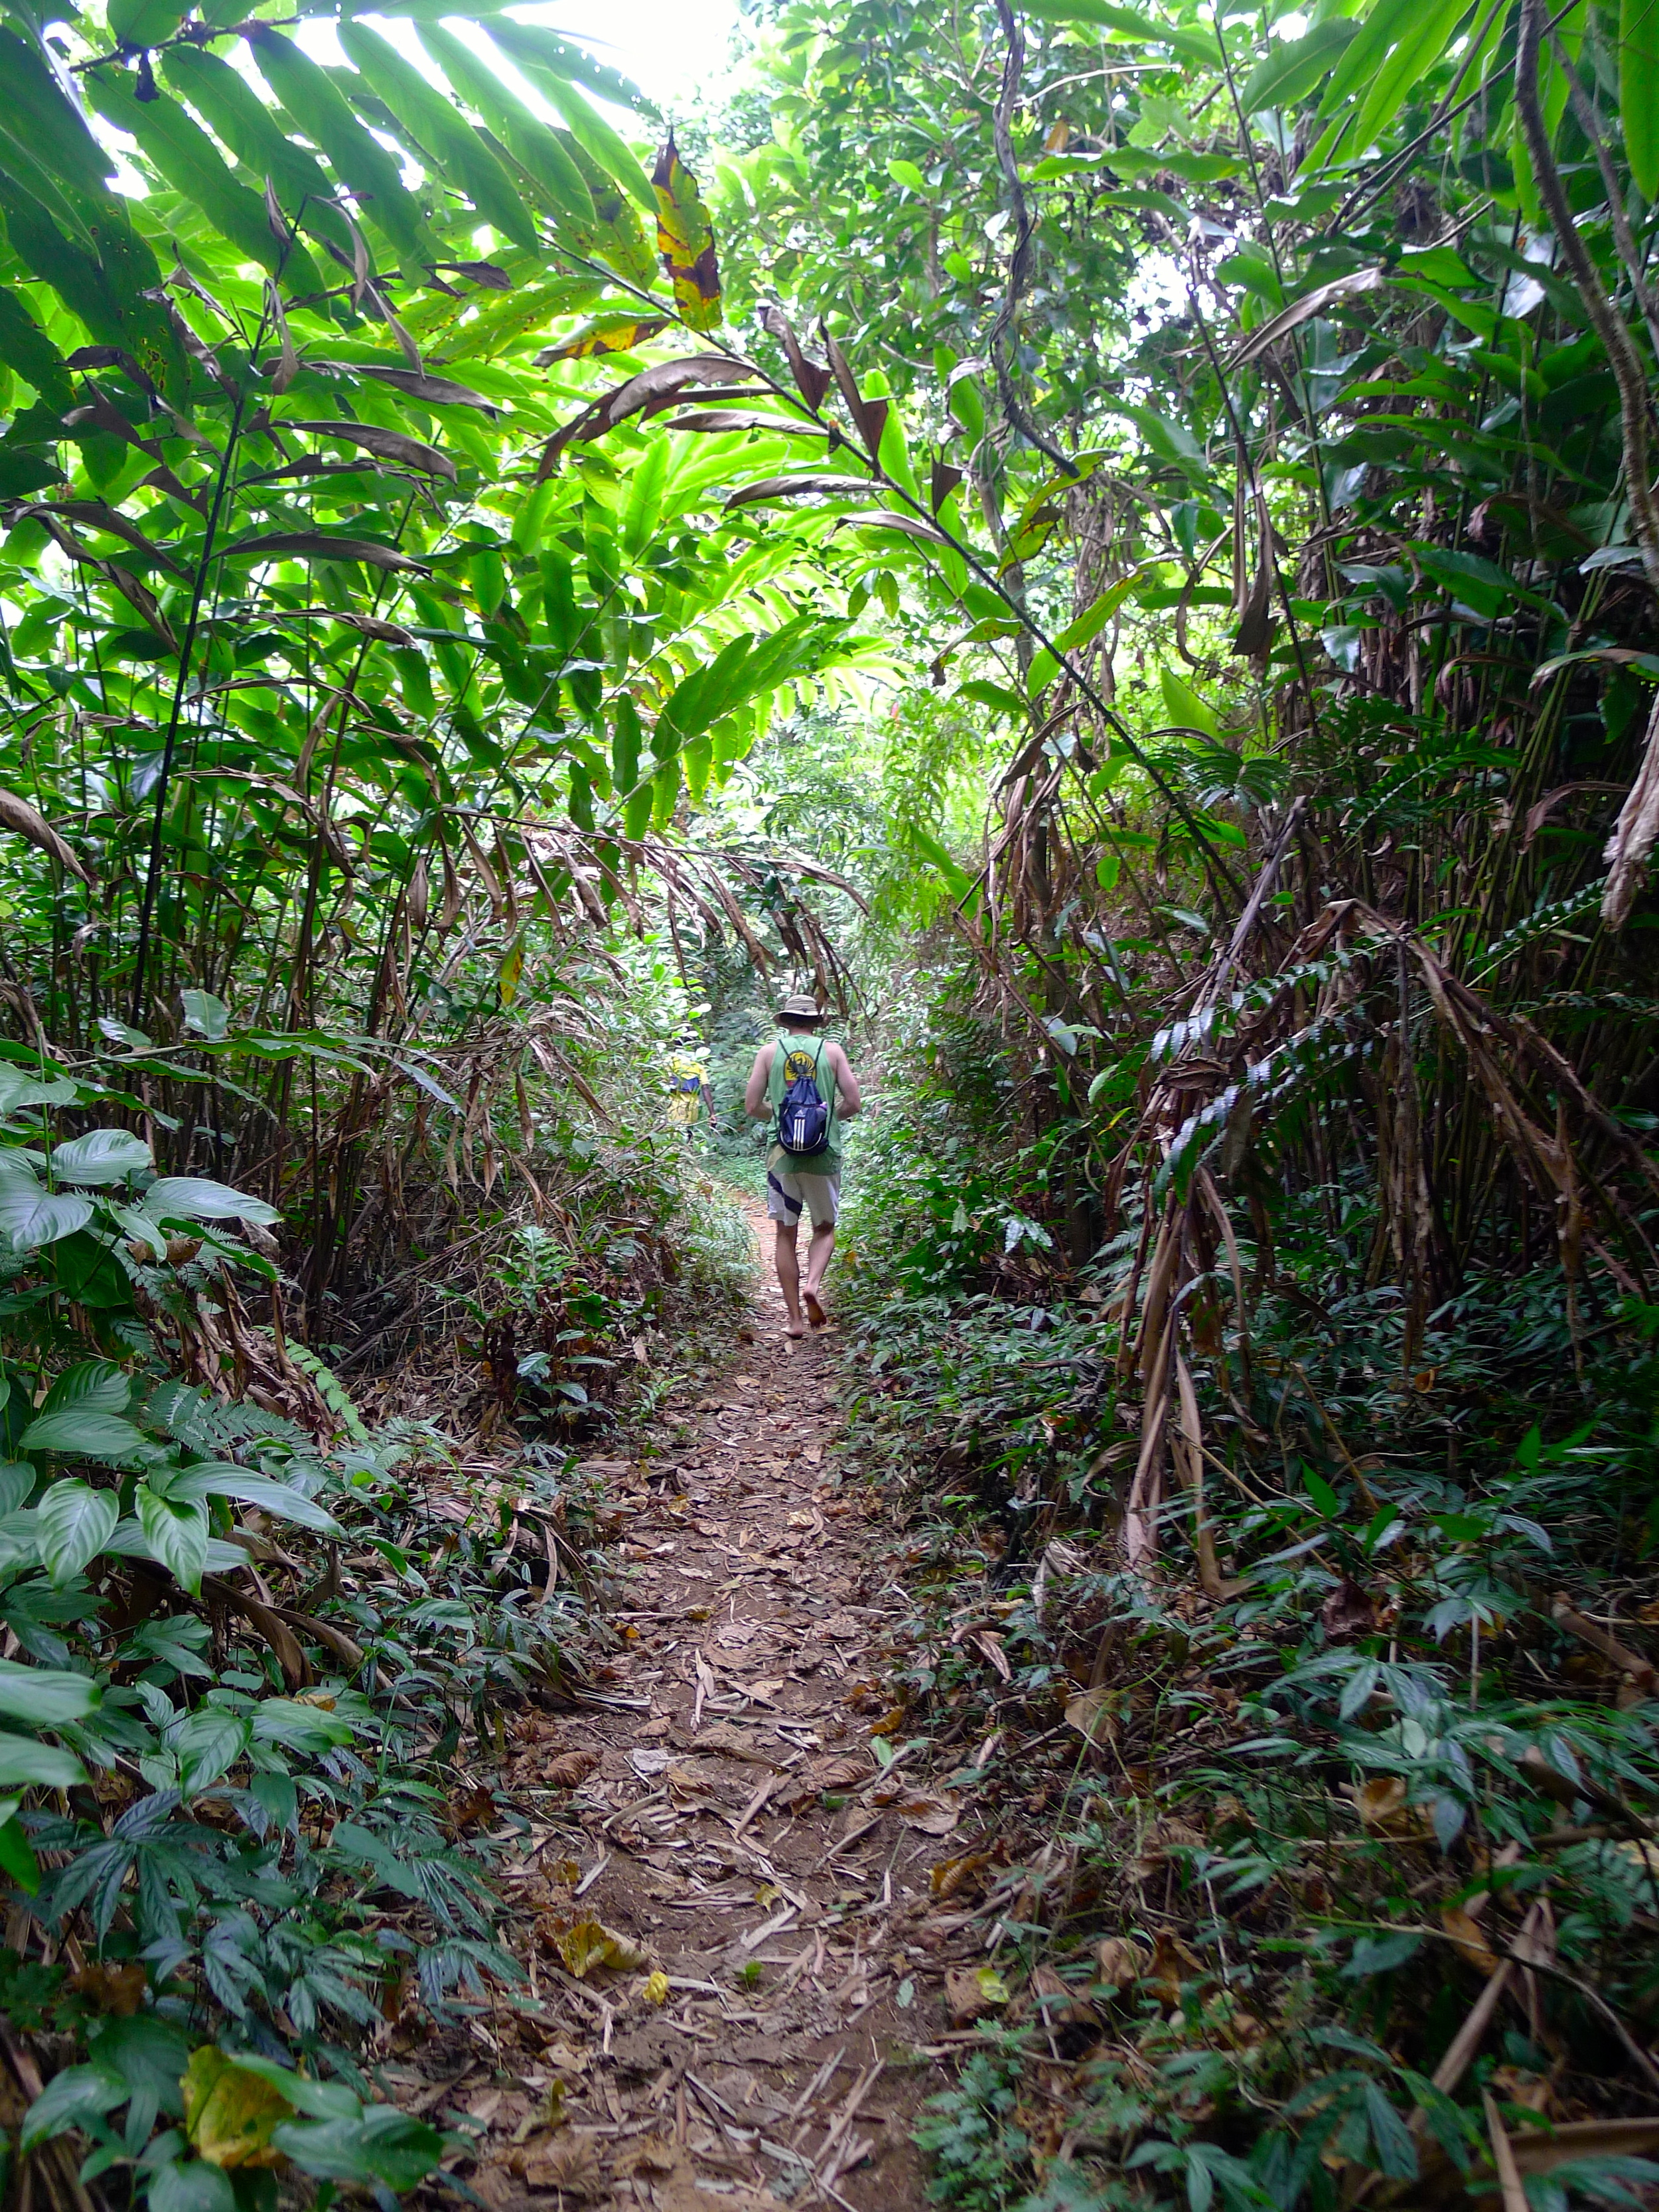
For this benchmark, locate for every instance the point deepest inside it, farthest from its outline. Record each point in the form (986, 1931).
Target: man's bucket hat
(800, 1006)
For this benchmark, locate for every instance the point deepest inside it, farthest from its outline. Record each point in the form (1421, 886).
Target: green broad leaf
(384, 2147)
(82, 1432)
(318, 2100)
(1420, 48)
(72, 2097)
(19, 1091)
(1321, 1493)
(1638, 91)
(25, 347)
(96, 1384)
(193, 1198)
(300, 1727)
(43, 1697)
(208, 1015)
(176, 1535)
(531, 144)
(311, 97)
(40, 119)
(997, 695)
(439, 133)
(136, 23)
(222, 1479)
(1480, 585)
(236, 115)
(30, 1216)
(1132, 25)
(551, 64)
(1295, 66)
(558, 56)
(17, 1479)
(73, 1523)
(907, 173)
(665, 795)
(207, 1744)
(140, 1229)
(17, 1859)
(190, 2186)
(1184, 706)
(101, 1156)
(26, 1765)
(1087, 627)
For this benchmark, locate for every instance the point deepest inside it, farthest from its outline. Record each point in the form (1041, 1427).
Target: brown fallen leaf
(971, 1992)
(1380, 1804)
(117, 1990)
(567, 2165)
(951, 1875)
(1122, 1961)
(569, 1769)
(1060, 2007)
(1093, 1713)
(1466, 1934)
(934, 1816)
(648, 2154)
(1173, 1963)
(587, 1944)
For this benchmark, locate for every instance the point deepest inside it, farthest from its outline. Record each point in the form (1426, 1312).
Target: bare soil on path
(726, 1816)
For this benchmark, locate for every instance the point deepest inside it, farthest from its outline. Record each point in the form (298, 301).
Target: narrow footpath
(730, 1915)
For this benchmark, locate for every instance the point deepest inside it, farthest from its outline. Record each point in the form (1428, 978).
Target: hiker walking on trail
(803, 1084)
(691, 1094)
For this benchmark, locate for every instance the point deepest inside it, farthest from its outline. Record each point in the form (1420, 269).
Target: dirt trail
(795, 2044)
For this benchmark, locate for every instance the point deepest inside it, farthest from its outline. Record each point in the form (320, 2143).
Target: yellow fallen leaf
(656, 1988)
(589, 1943)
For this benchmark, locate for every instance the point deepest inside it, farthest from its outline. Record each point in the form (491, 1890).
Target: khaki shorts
(788, 1194)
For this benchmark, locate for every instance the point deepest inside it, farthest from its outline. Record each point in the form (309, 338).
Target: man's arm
(848, 1097)
(754, 1096)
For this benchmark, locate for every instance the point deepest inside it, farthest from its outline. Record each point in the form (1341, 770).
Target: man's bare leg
(818, 1259)
(787, 1261)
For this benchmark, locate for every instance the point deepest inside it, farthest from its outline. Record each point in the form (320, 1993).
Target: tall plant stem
(198, 589)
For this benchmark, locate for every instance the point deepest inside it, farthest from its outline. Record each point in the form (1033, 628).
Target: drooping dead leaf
(17, 814)
(589, 1944)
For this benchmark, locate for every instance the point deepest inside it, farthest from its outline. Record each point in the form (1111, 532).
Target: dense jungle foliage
(1116, 544)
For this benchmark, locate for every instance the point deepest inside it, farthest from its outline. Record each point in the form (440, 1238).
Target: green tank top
(807, 1052)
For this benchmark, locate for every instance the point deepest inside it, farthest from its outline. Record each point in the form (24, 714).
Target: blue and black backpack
(803, 1115)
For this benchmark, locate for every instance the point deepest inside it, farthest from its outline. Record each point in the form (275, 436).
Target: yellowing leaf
(230, 2112)
(656, 1988)
(590, 1943)
(685, 241)
(607, 334)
